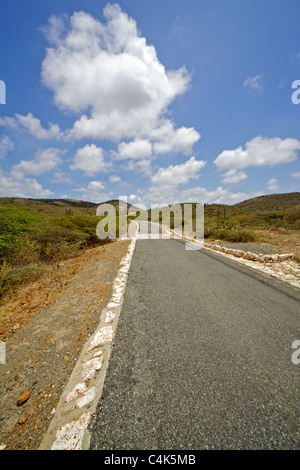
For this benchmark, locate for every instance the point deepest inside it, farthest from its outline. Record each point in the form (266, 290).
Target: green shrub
(57, 251)
(13, 278)
(235, 236)
(25, 250)
(5, 271)
(13, 222)
(82, 226)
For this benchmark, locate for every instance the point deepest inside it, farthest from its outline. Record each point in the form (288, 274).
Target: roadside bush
(235, 236)
(14, 278)
(5, 270)
(231, 233)
(13, 223)
(24, 251)
(82, 226)
(56, 251)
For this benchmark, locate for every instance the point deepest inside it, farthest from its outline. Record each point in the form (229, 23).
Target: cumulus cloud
(6, 144)
(61, 177)
(94, 192)
(178, 174)
(217, 196)
(110, 76)
(90, 160)
(19, 182)
(43, 161)
(143, 166)
(296, 175)
(32, 125)
(114, 179)
(137, 149)
(165, 182)
(273, 185)
(10, 186)
(170, 140)
(258, 152)
(233, 176)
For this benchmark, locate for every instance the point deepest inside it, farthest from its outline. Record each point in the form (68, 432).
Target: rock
(86, 398)
(23, 398)
(109, 317)
(22, 420)
(91, 367)
(77, 390)
(104, 335)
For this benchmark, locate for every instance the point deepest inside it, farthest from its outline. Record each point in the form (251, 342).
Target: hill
(270, 202)
(37, 232)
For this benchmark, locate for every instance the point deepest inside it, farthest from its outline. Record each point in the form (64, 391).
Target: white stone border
(68, 429)
(276, 258)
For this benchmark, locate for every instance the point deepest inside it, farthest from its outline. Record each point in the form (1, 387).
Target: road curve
(201, 358)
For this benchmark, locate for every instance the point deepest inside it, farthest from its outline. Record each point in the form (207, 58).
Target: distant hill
(50, 205)
(271, 202)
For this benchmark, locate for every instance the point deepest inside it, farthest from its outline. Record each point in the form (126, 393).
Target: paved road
(201, 357)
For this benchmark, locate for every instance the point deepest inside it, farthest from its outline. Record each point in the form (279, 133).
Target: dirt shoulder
(44, 328)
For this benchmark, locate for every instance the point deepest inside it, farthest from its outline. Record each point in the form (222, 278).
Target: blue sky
(162, 101)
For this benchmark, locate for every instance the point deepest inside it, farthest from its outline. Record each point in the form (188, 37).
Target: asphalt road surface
(202, 357)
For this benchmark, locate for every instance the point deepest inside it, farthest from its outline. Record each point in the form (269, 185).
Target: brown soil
(286, 241)
(44, 327)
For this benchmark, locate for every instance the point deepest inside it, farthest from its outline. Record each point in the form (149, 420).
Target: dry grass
(286, 241)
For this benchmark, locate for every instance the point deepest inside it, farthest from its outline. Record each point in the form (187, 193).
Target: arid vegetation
(37, 232)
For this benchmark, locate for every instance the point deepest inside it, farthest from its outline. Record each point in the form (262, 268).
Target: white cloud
(44, 161)
(170, 140)
(61, 177)
(108, 74)
(93, 192)
(178, 174)
(90, 160)
(137, 149)
(258, 152)
(273, 184)
(253, 84)
(165, 182)
(218, 196)
(6, 144)
(25, 187)
(233, 176)
(54, 29)
(296, 175)
(114, 179)
(32, 125)
(142, 166)
(135, 200)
